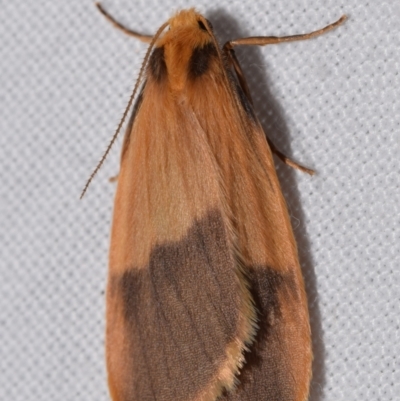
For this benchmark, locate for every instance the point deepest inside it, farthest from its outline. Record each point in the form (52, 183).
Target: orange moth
(205, 295)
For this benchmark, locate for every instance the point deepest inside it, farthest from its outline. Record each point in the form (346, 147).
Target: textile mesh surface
(331, 103)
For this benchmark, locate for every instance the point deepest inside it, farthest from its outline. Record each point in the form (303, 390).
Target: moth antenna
(117, 131)
(118, 25)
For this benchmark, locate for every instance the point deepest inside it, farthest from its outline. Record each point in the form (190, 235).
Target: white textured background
(331, 103)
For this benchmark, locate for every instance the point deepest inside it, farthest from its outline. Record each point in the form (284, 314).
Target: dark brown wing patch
(268, 373)
(189, 290)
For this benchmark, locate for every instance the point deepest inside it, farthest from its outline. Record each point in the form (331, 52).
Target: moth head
(190, 20)
(188, 30)
(185, 52)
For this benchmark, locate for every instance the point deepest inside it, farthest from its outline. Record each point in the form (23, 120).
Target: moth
(205, 296)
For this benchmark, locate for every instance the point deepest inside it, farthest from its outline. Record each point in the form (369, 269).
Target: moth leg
(269, 40)
(143, 38)
(287, 160)
(113, 179)
(243, 84)
(230, 53)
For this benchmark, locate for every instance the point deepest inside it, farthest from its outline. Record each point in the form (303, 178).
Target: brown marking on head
(157, 66)
(199, 62)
